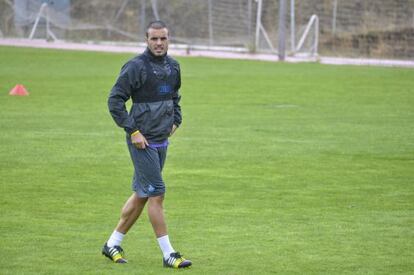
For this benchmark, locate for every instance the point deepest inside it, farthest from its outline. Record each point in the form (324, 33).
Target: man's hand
(139, 140)
(173, 129)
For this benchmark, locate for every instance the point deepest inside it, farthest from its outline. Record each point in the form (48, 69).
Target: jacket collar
(153, 58)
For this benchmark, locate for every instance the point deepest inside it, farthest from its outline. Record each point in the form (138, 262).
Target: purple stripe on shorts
(158, 145)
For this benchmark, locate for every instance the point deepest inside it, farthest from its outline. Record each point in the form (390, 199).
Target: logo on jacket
(164, 89)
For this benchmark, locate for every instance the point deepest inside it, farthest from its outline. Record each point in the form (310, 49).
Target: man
(152, 80)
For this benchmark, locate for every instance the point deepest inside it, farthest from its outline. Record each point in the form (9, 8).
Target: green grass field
(277, 168)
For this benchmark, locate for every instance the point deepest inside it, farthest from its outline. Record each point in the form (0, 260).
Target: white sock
(115, 239)
(165, 246)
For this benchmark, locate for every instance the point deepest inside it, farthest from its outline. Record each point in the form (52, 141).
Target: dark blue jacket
(153, 84)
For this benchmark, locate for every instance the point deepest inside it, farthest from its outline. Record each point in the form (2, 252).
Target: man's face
(157, 41)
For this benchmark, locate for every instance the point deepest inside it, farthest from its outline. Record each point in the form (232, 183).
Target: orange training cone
(19, 90)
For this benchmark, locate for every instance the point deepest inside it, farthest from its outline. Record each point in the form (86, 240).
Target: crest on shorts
(151, 188)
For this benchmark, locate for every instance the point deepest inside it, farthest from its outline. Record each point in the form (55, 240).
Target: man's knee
(133, 204)
(157, 200)
(155, 203)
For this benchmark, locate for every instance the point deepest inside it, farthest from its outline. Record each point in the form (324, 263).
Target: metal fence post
(335, 7)
(210, 22)
(292, 26)
(258, 23)
(282, 30)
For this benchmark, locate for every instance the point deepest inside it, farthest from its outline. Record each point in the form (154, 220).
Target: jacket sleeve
(127, 81)
(176, 100)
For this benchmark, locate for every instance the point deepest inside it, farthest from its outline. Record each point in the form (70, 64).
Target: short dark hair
(157, 24)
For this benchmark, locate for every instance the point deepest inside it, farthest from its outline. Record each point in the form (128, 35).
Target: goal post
(312, 49)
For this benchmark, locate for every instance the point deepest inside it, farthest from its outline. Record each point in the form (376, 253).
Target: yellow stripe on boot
(117, 257)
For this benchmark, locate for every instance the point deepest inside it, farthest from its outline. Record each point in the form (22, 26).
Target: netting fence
(351, 28)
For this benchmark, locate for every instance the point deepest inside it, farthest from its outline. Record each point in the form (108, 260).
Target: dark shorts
(148, 164)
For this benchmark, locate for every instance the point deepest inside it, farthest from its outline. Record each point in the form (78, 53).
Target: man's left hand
(173, 129)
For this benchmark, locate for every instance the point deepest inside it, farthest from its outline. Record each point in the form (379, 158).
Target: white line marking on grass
(284, 106)
(280, 106)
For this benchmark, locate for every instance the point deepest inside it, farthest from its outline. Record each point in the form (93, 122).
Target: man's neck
(153, 57)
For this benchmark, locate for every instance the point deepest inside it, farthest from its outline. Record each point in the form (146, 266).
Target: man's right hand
(139, 140)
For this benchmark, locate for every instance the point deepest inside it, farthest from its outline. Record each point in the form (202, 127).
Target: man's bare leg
(156, 215)
(130, 213)
(172, 258)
